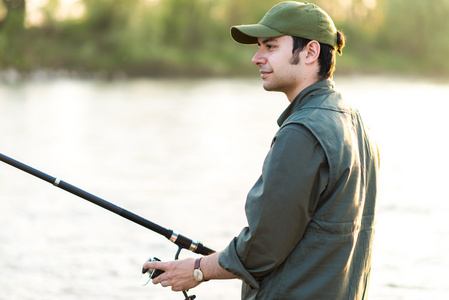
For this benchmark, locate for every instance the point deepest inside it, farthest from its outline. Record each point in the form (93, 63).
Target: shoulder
(297, 131)
(297, 139)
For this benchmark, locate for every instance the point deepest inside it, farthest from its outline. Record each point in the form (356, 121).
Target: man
(311, 213)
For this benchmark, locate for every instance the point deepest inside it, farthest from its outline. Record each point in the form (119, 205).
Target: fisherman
(311, 213)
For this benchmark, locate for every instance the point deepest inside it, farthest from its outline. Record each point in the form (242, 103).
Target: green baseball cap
(299, 19)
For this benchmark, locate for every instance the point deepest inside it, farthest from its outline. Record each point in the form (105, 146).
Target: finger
(159, 279)
(177, 289)
(165, 283)
(158, 276)
(154, 265)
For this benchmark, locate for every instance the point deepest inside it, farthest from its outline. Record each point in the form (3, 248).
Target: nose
(259, 59)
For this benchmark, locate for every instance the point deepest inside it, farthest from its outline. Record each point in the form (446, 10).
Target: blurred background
(191, 37)
(150, 105)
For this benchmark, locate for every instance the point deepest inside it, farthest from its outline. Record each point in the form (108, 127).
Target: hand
(178, 274)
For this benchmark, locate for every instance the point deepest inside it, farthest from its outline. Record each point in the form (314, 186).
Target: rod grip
(204, 250)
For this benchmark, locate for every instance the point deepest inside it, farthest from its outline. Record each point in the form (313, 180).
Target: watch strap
(197, 263)
(197, 266)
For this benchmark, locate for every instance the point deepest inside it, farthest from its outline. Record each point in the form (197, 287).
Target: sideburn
(294, 60)
(298, 46)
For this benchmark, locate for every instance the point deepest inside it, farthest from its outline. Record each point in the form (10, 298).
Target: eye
(270, 46)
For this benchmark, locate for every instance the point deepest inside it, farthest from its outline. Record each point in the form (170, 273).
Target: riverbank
(12, 77)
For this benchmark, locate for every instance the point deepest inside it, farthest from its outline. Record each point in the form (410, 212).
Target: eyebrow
(268, 40)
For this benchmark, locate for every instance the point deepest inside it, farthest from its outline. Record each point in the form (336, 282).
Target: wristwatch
(197, 273)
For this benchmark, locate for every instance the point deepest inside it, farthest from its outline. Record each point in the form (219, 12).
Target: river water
(183, 154)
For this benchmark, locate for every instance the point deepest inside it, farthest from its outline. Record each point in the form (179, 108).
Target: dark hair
(326, 59)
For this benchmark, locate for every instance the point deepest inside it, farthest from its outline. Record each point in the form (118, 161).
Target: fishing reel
(153, 273)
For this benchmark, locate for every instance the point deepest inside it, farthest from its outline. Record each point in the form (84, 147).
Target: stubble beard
(276, 84)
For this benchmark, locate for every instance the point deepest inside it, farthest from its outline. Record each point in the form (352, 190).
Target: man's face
(274, 61)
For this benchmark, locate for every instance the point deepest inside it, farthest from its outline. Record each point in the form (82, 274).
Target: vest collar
(303, 97)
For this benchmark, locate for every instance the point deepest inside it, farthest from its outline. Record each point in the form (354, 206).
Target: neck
(291, 95)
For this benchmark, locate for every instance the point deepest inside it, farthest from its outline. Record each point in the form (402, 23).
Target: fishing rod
(180, 240)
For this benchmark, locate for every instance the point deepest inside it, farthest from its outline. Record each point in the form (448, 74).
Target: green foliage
(191, 37)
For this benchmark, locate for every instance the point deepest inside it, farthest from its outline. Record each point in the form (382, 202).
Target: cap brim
(249, 34)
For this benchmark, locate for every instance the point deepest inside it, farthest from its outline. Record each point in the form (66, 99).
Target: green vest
(333, 259)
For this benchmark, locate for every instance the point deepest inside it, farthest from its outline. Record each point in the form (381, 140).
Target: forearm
(212, 269)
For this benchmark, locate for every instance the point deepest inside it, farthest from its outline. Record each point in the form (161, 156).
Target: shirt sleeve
(279, 206)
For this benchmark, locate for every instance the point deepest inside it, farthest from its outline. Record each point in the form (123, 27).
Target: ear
(312, 52)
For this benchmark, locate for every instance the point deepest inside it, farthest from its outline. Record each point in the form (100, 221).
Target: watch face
(198, 275)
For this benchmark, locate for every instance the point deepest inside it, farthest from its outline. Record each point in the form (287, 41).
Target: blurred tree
(182, 23)
(416, 31)
(15, 16)
(12, 37)
(171, 37)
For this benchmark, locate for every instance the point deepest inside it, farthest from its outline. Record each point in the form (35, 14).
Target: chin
(269, 88)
